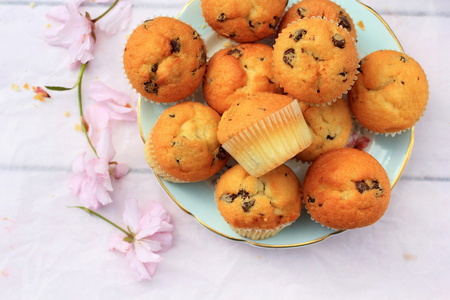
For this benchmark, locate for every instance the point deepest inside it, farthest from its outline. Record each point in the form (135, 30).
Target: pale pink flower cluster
(75, 31)
(151, 232)
(92, 180)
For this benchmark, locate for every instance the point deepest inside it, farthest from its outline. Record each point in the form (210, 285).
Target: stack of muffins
(266, 105)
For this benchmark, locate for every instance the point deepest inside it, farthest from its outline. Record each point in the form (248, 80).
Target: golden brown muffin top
(265, 202)
(165, 59)
(243, 20)
(346, 188)
(184, 142)
(391, 92)
(318, 8)
(315, 61)
(330, 127)
(243, 69)
(248, 110)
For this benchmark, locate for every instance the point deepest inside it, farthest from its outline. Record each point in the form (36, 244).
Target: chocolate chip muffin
(391, 92)
(318, 8)
(330, 128)
(238, 71)
(315, 61)
(262, 131)
(258, 208)
(182, 146)
(243, 20)
(165, 59)
(346, 188)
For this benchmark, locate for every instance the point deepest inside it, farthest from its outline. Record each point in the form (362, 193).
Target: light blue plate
(197, 199)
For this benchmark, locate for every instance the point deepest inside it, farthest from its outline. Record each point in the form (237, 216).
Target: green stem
(104, 219)
(80, 104)
(107, 11)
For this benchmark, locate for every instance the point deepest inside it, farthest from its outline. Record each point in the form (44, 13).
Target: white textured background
(48, 251)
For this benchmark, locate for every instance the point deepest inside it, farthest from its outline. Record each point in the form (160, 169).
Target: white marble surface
(49, 251)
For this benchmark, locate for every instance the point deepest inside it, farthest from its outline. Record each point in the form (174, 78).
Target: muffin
(258, 208)
(182, 146)
(262, 131)
(238, 71)
(315, 61)
(164, 59)
(243, 20)
(391, 92)
(318, 8)
(346, 188)
(330, 128)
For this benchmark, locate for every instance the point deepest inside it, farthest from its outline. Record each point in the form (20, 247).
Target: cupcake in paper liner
(259, 208)
(391, 93)
(345, 189)
(182, 146)
(318, 8)
(262, 131)
(315, 60)
(165, 59)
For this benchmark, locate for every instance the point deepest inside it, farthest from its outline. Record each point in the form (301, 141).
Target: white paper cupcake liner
(271, 141)
(257, 233)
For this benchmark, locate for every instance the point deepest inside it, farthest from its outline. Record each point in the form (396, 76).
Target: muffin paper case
(259, 234)
(271, 141)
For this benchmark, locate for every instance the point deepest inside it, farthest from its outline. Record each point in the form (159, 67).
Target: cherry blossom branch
(104, 219)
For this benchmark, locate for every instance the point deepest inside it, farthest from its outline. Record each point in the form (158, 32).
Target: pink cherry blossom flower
(75, 32)
(150, 233)
(91, 180)
(110, 105)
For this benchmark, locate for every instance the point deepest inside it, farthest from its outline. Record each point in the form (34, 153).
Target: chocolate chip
(344, 21)
(235, 52)
(232, 35)
(155, 68)
(301, 12)
(247, 204)
(244, 194)
(261, 58)
(311, 199)
(151, 87)
(377, 186)
(338, 40)
(196, 34)
(178, 161)
(343, 74)
(221, 17)
(172, 115)
(298, 35)
(202, 60)
(362, 186)
(288, 56)
(175, 45)
(221, 154)
(250, 24)
(402, 58)
(329, 137)
(228, 198)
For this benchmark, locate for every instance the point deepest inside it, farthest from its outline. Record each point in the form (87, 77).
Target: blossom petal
(144, 251)
(139, 270)
(105, 148)
(131, 214)
(119, 244)
(120, 170)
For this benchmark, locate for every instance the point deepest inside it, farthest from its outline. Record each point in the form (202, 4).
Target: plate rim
(254, 242)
